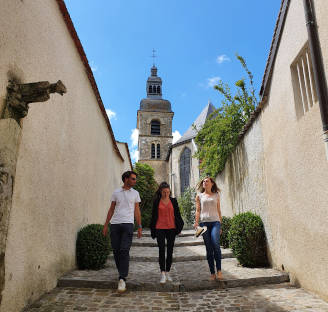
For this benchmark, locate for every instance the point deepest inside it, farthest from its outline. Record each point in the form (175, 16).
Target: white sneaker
(163, 278)
(168, 277)
(121, 286)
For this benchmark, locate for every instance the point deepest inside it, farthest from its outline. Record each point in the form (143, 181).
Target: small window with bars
(305, 95)
(153, 150)
(155, 127)
(158, 151)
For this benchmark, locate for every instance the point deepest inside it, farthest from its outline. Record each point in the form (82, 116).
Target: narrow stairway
(189, 269)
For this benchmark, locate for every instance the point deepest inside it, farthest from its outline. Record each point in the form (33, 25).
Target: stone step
(184, 233)
(179, 241)
(180, 254)
(187, 276)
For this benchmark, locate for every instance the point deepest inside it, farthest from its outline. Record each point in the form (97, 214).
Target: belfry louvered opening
(155, 127)
(305, 95)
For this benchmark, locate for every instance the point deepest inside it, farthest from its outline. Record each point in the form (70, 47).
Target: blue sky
(195, 43)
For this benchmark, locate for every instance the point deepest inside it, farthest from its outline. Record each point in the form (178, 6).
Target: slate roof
(198, 124)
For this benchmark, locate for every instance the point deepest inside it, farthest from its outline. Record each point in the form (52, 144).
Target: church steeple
(154, 85)
(154, 122)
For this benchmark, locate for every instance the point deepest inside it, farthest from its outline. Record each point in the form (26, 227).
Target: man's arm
(137, 216)
(109, 217)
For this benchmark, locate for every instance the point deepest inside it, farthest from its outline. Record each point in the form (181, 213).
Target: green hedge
(92, 247)
(225, 225)
(247, 240)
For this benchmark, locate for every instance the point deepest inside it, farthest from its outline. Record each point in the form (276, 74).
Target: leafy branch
(219, 135)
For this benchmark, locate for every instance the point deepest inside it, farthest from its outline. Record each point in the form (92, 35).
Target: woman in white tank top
(208, 213)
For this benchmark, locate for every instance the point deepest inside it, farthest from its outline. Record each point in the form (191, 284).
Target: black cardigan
(177, 217)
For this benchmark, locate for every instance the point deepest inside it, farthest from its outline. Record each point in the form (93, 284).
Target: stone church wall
(68, 163)
(280, 169)
(161, 169)
(175, 167)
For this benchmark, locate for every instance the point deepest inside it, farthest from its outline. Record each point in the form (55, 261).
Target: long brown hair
(158, 193)
(214, 188)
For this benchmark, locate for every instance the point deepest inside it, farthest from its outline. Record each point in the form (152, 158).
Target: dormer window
(155, 127)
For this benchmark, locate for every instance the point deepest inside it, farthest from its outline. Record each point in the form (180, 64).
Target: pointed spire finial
(153, 56)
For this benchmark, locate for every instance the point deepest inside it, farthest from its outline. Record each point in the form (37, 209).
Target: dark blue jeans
(212, 242)
(121, 240)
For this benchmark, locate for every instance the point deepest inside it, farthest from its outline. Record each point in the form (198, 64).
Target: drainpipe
(318, 67)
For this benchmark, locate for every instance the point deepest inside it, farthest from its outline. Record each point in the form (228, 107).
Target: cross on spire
(153, 56)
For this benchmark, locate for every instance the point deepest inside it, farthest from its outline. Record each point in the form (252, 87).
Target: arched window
(155, 127)
(185, 169)
(158, 152)
(150, 89)
(152, 150)
(158, 89)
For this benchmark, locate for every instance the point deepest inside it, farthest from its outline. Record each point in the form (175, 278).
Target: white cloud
(110, 114)
(222, 58)
(134, 137)
(176, 136)
(93, 67)
(134, 143)
(135, 155)
(211, 82)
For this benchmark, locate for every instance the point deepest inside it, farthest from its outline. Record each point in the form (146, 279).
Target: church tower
(154, 122)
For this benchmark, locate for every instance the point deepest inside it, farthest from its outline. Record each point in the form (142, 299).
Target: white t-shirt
(209, 207)
(125, 203)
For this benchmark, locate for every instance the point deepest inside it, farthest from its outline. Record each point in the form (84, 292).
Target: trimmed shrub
(187, 205)
(247, 240)
(225, 225)
(92, 247)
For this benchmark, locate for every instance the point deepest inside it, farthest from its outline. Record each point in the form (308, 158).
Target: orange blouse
(166, 218)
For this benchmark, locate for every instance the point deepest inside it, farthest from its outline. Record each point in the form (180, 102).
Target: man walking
(124, 207)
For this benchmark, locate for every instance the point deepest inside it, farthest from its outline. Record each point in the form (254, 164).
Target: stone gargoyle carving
(19, 96)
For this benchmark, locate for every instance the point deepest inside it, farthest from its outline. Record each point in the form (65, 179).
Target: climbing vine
(219, 135)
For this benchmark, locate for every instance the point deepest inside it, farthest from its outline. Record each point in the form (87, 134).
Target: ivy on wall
(218, 137)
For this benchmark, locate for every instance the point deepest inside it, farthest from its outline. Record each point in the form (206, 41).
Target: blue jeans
(121, 240)
(212, 242)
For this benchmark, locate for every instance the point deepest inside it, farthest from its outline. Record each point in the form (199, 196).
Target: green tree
(187, 205)
(219, 135)
(146, 186)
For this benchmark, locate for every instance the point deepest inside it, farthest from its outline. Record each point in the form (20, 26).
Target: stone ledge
(187, 276)
(174, 287)
(178, 258)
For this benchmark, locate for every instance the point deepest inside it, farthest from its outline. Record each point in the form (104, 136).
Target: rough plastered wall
(296, 165)
(67, 166)
(242, 182)
(175, 167)
(292, 193)
(123, 147)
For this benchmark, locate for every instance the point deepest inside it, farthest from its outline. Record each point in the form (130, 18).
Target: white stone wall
(67, 167)
(284, 175)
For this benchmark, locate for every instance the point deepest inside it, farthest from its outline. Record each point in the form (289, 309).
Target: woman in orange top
(166, 223)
